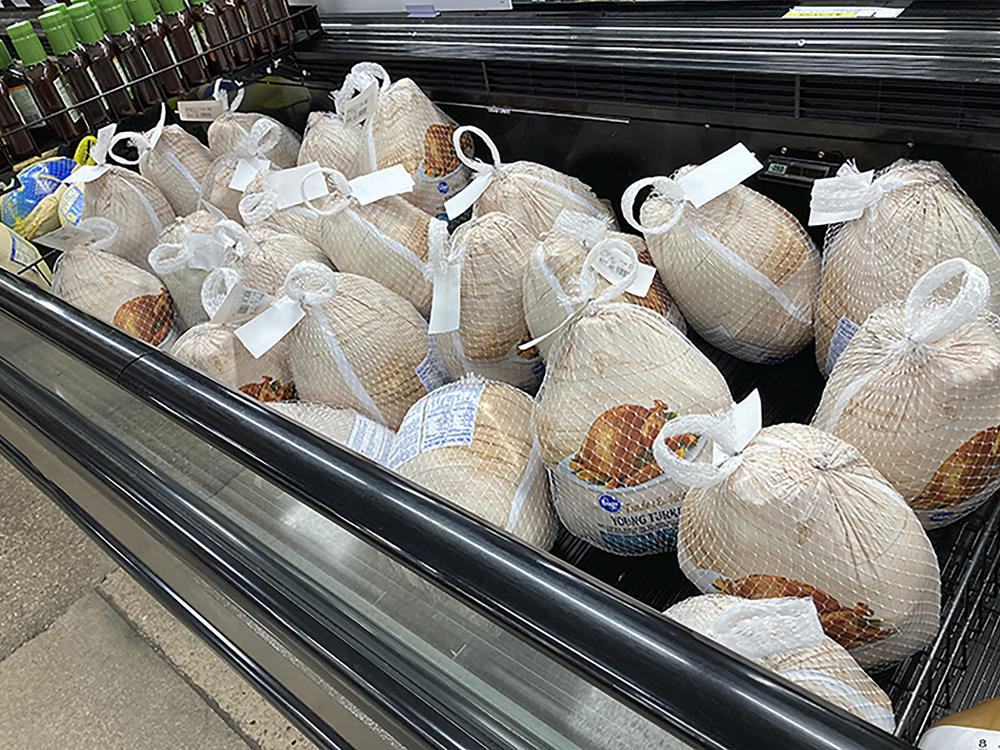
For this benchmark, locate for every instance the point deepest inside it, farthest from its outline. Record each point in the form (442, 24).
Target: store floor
(89, 661)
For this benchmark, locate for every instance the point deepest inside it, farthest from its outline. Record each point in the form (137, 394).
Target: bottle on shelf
(45, 82)
(184, 40)
(17, 87)
(20, 144)
(101, 57)
(236, 29)
(208, 26)
(153, 38)
(283, 34)
(129, 53)
(97, 14)
(74, 66)
(260, 36)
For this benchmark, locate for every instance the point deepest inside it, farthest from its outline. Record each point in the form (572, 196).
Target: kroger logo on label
(610, 503)
(442, 187)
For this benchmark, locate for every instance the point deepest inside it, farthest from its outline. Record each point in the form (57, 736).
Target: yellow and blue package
(71, 205)
(32, 209)
(21, 258)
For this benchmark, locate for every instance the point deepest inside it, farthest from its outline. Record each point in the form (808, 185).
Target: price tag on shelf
(203, 110)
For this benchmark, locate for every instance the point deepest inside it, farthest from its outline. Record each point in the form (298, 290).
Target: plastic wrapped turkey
(740, 267)
(615, 377)
(910, 217)
(470, 442)
(489, 254)
(556, 282)
(117, 292)
(785, 635)
(229, 131)
(214, 350)
(917, 391)
(259, 203)
(794, 511)
(532, 193)
(342, 426)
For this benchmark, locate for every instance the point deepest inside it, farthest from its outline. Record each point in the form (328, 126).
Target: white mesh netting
(228, 132)
(917, 391)
(342, 426)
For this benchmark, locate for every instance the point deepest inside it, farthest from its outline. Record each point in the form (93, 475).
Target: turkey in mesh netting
(794, 511)
(230, 130)
(470, 442)
(917, 391)
(911, 216)
(117, 292)
(405, 127)
(785, 635)
(259, 203)
(617, 374)
(173, 160)
(354, 344)
(557, 279)
(329, 142)
(342, 426)
(489, 255)
(532, 193)
(214, 350)
(740, 267)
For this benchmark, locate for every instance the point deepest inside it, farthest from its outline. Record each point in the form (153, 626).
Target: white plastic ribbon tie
(730, 433)
(251, 150)
(444, 270)
(843, 197)
(663, 187)
(925, 322)
(584, 228)
(289, 187)
(102, 231)
(357, 97)
(485, 173)
(142, 142)
(340, 183)
(221, 95)
(99, 153)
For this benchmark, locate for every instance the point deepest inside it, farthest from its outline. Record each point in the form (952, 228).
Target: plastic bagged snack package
(172, 159)
(71, 205)
(790, 510)
(976, 728)
(403, 126)
(470, 442)
(478, 317)
(617, 374)
(134, 204)
(214, 350)
(230, 130)
(558, 278)
(532, 193)
(917, 391)
(785, 635)
(740, 267)
(894, 226)
(115, 291)
(21, 258)
(352, 343)
(342, 426)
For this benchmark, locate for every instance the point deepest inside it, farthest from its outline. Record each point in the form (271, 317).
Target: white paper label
(744, 420)
(959, 738)
(204, 110)
(459, 204)
(381, 184)
(716, 176)
(289, 184)
(68, 101)
(270, 327)
(839, 198)
(359, 108)
(86, 173)
(842, 11)
(24, 103)
(842, 335)
(370, 439)
(241, 302)
(443, 419)
(246, 169)
(197, 42)
(65, 238)
(615, 265)
(446, 300)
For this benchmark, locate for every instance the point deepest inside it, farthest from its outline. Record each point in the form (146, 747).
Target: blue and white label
(443, 419)
(610, 503)
(432, 372)
(842, 335)
(370, 439)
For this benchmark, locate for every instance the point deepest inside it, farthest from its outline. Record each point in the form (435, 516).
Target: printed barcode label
(200, 111)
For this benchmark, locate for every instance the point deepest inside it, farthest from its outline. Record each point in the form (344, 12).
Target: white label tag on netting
(446, 301)
(831, 199)
(959, 738)
(359, 108)
(381, 184)
(200, 111)
(443, 419)
(716, 176)
(289, 184)
(246, 169)
(744, 421)
(459, 204)
(370, 439)
(240, 302)
(615, 265)
(86, 173)
(65, 238)
(271, 326)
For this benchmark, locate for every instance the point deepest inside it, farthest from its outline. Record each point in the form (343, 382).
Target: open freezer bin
(372, 613)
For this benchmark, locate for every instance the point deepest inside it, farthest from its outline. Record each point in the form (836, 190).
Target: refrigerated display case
(371, 612)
